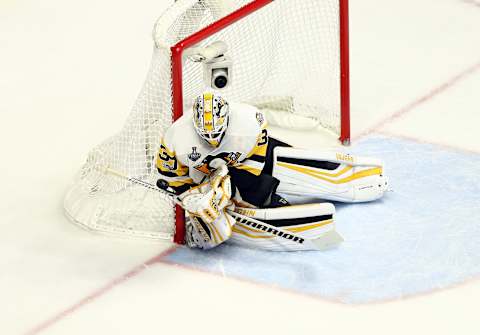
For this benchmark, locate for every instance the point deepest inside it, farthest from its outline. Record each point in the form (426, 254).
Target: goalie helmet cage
(290, 59)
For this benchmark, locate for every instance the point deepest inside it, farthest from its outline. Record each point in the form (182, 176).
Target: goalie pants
(258, 190)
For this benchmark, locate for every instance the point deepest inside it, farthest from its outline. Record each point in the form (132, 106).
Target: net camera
(217, 67)
(218, 72)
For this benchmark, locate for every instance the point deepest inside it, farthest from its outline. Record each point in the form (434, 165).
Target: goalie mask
(210, 117)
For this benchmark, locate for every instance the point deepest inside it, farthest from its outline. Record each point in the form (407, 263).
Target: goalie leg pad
(308, 175)
(311, 221)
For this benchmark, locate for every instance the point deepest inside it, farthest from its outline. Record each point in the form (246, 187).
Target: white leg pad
(312, 221)
(309, 175)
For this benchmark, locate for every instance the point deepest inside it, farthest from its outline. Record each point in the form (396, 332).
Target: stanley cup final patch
(194, 155)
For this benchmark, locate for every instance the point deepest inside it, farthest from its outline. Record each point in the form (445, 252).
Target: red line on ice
(434, 92)
(98, 293)
(315, 296)
(446, 146)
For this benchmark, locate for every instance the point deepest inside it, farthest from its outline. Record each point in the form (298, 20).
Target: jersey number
(263, 138)
(169, 162)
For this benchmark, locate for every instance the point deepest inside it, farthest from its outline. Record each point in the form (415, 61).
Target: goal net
(290, 59)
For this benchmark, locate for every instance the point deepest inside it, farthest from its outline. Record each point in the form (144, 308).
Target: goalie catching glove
(208, 223)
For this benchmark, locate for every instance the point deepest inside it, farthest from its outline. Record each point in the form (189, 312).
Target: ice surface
(423, 235)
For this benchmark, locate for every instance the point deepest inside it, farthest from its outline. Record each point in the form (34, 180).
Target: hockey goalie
(228, 173)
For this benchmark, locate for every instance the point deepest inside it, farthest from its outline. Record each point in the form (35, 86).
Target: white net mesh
(285, 61)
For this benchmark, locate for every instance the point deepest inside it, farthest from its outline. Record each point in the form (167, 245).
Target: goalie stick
(325, 241)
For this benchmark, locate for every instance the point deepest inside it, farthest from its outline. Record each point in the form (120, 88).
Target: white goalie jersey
(186, 160)
(191, 167)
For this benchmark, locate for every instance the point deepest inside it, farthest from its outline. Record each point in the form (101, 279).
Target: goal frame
(177, 76)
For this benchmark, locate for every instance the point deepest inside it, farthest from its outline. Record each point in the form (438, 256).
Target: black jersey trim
(257, 158)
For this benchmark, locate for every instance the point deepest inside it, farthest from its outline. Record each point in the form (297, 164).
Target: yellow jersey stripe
(163, 146)
(260, 150)
(250, 169)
